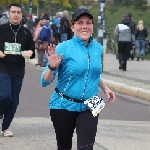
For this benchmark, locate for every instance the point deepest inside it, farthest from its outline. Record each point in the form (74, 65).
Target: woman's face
(83, 27)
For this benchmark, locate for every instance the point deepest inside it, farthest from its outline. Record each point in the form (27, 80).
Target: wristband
(51, 68)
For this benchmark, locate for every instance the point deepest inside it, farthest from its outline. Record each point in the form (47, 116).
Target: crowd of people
(58, 30)
(130, 36)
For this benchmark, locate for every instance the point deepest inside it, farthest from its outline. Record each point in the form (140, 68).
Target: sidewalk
(134, 82)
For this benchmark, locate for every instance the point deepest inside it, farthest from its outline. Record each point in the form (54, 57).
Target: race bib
(12, 48)
(95, 104)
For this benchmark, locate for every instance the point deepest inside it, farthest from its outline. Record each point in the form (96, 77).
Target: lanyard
(14, 31)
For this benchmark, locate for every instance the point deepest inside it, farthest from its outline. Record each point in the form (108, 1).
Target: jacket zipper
(70, 77)
(88, 56)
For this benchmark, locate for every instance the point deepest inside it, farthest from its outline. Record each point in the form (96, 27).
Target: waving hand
(52, 57)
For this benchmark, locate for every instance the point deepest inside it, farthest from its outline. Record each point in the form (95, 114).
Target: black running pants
(65, 122)
(123, 52)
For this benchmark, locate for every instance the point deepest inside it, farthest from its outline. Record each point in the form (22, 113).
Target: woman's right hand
(2, 55)
(52, 57)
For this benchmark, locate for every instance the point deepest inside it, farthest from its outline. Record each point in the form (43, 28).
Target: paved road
(122, 126)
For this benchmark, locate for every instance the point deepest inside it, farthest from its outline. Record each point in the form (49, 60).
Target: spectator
(124, 34)
(141, 34)
(45, 36)
(133, 23)
(30, 23)
(131, 55)
(65, 26)
(37, 31)
(55, 33)
(57, 23)
(24, 20)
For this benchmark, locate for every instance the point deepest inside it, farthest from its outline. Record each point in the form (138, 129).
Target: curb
(128, 90)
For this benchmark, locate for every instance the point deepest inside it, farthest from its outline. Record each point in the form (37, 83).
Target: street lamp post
(101, 27)
(101, 20)
(37, 8)
(30, 6)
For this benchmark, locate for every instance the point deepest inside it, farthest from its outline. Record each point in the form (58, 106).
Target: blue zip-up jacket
(78, 73)
(45, 34)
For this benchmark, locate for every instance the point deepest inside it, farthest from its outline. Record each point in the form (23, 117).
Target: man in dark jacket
(132, 51)
(124, 34)
(65, 28)
(132, 22)
(16, 44)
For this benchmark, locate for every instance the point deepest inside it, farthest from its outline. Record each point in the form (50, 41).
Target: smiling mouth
(84, 32)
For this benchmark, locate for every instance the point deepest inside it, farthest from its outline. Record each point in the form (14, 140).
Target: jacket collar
(81, 41)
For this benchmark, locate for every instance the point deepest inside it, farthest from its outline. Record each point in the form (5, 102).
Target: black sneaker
(142, 58)
(120, 67)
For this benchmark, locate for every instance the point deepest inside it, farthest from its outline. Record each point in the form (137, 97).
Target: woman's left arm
(110, 95)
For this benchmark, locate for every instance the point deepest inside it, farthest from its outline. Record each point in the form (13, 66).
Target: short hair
(15, 4)
(65, 12)
(130, 15)
(60, 13)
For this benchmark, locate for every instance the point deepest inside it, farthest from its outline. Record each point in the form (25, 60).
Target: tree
(118, 2)
(64, 3)
(137, 4)
(74, 5)
(127, 3)
(6, 2)
(140, 4)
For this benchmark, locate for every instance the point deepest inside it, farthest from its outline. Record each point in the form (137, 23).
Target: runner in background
(16, 44)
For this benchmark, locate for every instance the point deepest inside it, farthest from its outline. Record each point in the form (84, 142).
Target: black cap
(80, 12)
(126, 16)
(45, 17)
